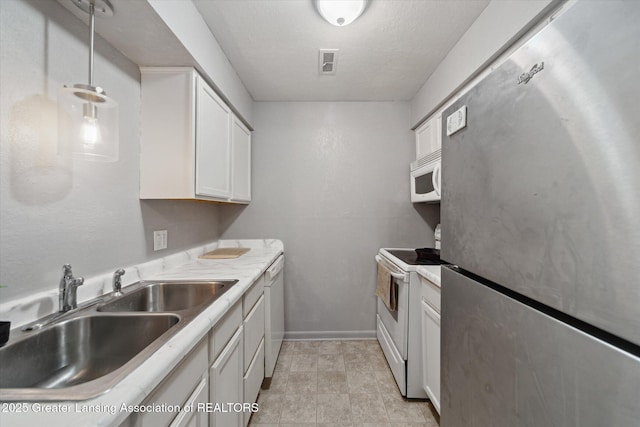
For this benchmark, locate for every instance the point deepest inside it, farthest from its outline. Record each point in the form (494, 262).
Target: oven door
(395, 322)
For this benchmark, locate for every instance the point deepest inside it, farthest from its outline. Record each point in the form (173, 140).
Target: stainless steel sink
(79, 350)
(84, 353)
(168, 296)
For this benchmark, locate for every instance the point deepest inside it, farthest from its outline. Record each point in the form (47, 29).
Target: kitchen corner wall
(54, 209)
(331, 180)
(497, 27)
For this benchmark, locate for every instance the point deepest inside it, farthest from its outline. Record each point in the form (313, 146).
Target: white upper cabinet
(213, 143)
(241, 161)
(429, 136)
(193, 146)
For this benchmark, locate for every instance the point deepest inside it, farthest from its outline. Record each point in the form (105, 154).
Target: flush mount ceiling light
(340, 12)
(88, 118)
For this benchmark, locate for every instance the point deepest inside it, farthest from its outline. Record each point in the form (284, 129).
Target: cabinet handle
(431, 312)
(228, 350)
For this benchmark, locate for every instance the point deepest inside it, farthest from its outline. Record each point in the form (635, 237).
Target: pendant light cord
(92, 10)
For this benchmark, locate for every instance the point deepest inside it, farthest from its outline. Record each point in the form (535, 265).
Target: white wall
(331, 180)
(183, 18)
(55, 210)
(498, 26)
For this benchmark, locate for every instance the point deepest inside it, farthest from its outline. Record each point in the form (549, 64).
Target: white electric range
(399, 331)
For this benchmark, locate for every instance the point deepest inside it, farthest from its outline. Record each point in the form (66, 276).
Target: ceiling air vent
(328, 61)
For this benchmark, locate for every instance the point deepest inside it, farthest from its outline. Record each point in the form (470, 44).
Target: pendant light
(87, 117)
(340, 12)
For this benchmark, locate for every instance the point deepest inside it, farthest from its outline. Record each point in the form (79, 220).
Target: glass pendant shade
(87, 117)
(88, 123)
(340, 12)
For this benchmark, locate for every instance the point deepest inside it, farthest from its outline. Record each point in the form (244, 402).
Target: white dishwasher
(274, 316)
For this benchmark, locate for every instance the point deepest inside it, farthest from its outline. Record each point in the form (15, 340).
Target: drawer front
(174, 390)
(226, 383)
(190, 416)
(430, 293)
(253, 331)
(253, 379)
(394, 359)
(252, 296)
(224, 330)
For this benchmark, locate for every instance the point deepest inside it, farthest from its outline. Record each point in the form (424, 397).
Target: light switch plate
(457, 120)
(160, 240)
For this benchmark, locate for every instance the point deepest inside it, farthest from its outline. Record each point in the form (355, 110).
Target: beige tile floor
(337, 383)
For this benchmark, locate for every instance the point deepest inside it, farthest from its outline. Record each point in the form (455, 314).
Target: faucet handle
(73, 285)
(72, 298)
(66, 271)
(117, 281)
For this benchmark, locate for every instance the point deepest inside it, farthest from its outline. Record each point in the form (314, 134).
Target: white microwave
(426, 181)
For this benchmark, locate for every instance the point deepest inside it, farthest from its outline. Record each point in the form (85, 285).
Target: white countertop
(105, 410)
(430, 272)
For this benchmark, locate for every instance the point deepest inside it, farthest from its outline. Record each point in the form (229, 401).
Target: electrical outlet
(159, 240)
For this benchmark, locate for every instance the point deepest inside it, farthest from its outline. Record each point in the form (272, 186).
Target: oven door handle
(395, 275)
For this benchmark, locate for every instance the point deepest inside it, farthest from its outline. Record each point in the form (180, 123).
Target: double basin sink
(84, 353)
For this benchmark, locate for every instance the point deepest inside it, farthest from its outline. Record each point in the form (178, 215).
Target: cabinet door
(431, 354)
(241, 161)
(167, 133)
(253, 332)
(253, 379)
(428, 137)
(226, 378)
(194, 417)
(213, 119)
(175, 389)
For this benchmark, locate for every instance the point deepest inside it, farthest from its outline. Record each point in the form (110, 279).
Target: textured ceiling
(387, 54)
(138, 33)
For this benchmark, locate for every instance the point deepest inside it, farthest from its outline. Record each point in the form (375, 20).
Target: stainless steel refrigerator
(541, 221)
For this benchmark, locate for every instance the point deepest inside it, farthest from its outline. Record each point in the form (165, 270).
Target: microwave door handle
(436, 178)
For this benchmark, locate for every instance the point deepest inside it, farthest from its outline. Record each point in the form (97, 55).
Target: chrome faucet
(117, 281)
(68, 298)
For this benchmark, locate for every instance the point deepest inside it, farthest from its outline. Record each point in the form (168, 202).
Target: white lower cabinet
(219, 379)
(237, 349)
(431, 341)
(181, 386)
(192, 414)
(253, 323)
(226, 384)
(253, 379)
(431, 354)
(222, 333)
(253, 332)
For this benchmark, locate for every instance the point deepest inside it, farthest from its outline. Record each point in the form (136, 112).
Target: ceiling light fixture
(340, 12)
(88, 118)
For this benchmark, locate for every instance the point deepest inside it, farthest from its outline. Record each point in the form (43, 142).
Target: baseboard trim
(329, 335)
